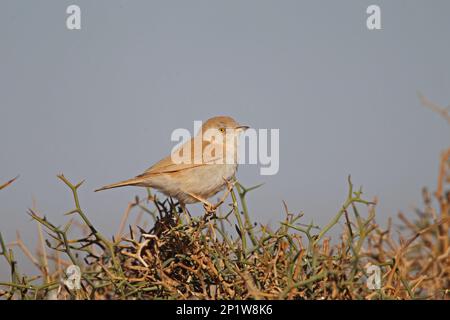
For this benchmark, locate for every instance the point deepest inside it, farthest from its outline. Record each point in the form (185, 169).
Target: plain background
(100, 103)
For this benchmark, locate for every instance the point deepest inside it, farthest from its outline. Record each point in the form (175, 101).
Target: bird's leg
(230, 186)
(210, 208)
(185, 210)
(187, 214)
(206, 204)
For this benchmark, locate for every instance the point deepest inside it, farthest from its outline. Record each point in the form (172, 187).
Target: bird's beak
(242, 128)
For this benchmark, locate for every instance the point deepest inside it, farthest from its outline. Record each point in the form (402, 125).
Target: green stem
(248, 223)
(239, 220)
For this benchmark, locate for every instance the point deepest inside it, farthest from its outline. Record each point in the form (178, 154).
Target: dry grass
(227, 256)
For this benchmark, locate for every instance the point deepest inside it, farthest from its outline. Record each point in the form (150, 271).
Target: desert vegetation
(226, 255)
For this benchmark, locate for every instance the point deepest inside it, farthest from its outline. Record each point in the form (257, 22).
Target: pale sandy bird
(203, 175)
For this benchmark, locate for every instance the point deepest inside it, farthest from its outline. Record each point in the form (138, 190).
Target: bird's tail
(130, 182)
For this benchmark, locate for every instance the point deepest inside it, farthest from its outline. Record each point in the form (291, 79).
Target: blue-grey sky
(100, 103)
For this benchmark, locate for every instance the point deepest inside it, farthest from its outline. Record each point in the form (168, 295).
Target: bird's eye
(222, 130)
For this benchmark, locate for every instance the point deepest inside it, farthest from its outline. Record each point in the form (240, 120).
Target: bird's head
(224, 125)
(223, 132)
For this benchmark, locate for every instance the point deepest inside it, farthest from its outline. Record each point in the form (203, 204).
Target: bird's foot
(230, 185)
(210, 208)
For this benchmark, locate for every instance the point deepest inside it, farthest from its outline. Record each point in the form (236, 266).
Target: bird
(209, 166)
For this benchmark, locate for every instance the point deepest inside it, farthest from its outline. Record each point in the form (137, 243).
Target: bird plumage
(198, 178)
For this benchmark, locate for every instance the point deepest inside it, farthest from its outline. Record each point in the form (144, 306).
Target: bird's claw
(230, 183)
(210, 208)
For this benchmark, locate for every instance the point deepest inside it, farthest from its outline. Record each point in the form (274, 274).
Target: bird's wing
(167, 165)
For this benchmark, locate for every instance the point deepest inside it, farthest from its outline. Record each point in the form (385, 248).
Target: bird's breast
(207, 180)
